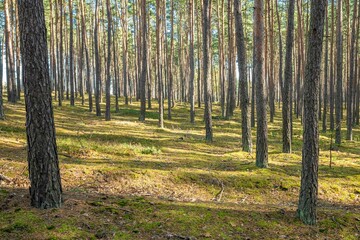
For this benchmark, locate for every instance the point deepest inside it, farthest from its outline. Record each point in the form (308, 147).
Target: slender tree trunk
(310, 157)
(288, 79)
(45, 181)
(332, 69)
(326, 80)
(144, 61)
(206, 71)
(261, 137)
(191, 62)
(18, 72)
(125, 50)
(10, 71)
(221, 56)
(97, 61)
(244, 90)
(170, 62)
(351, 80)
(2, 115)
(159, 45)
(108, 59)
(71, 64)
(61, 56)
(339, 72)
(87, 58)
(231, 103)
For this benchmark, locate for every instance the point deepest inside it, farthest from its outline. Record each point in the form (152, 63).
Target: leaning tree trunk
(206, 69)
(45, 181)
(310, 155)
(244, 89)
(286, 111)
(261, 136)
(339, 73)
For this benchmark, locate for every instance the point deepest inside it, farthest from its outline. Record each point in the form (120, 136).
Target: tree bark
(108, 59)
(286, 111)
(206, 69)
(71, 59)
(351, 86)
(339, 73)
(310, 155)
(97, 61)
(45, 190)
(244, 89)
(144, 51)
(191, 62)
(10, 70)
(261, 137)
(326, 80)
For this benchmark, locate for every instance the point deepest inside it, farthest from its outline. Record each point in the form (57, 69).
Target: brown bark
(261, 136)
(310, 155)
(45, 190)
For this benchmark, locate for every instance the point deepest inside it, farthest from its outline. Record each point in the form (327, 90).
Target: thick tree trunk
(286, 111)
(45, 190)
(310, 155)
(261, 137)
(244, 89)
(206, 69)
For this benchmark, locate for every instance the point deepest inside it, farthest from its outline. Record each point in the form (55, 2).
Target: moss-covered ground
(129, 180)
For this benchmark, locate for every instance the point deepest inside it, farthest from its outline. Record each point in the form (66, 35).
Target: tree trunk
(351, 86)
(71, 64)
(159, 45)
(11, 84)
(143, 68)
(108, 59)
(244, 89)
(310, 155)
(45, 190)
(261, 136)
(97, 61)
(2, 115)
(332, 69)
(191, 62)
(339, 72)
(286, 111)
(206, 71)
(326, 80)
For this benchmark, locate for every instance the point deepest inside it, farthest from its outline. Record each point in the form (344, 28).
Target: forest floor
(129, 180)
